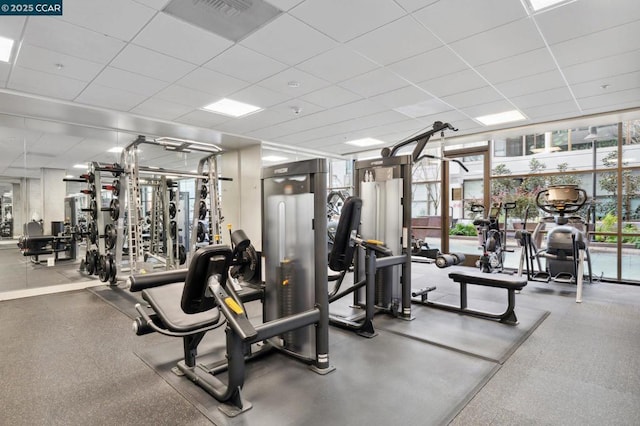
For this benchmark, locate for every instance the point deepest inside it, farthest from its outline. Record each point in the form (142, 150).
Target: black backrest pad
(343, 248)
(207, 260)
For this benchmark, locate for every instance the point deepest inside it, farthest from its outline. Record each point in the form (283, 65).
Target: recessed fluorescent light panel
(501, 118)
(80, 166)
(231, 108)
(6, 45)
(365, 142)
(538, 5)
(116, 149)
(273, 158)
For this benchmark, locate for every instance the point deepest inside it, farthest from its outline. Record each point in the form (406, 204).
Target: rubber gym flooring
(71, 358)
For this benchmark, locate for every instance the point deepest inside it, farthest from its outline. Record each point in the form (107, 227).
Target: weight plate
(88, 263)
(173, 229)
(172, 210)
(247, 264)
(202, 210)
(102, 269)
(110, 236)
(114, 209)
(182, 254)
(116, 187)
(201, 232)
(204, 191)
(112, 269)
(93, 209)
(92, 232)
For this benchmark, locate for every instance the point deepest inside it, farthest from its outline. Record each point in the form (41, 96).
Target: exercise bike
(493, 239)
(566, 244)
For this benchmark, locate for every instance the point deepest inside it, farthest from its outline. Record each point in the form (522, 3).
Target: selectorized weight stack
(384, 185)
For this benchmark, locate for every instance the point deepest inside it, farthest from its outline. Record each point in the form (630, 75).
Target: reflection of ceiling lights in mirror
(6, 46)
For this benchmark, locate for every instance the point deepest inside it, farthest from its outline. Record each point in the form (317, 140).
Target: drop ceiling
(323, 72)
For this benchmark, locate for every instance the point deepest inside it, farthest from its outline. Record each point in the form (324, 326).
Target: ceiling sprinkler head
(296, 110)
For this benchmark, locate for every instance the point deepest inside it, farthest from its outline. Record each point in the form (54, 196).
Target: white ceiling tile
(531, 84)
(324, 65)
(407, 95)
(614, 41)
(330, 97)
(615, 84)
(424, 108)
(50, 143)
(426, 66)
(259, 96)
(518, 66)
(109, 97)
(256, 121)
(44, 84)
(202, 119)
(606, 100)
(186, 96)
(374, 82)
(11, 26)
(72, 40)
(471, 17)
(211, 82)
(488, 108)
(118, 18)
(592, 16)
(155, 4)
(284, 4)
(160, 108)
(456, 82)
(152, 64)
(184, 41)
(413, 5)
(345, 20)
(131, 82)
(560, 94)
(507, 40)
(45, 60)
(307, 82)
(4, 72)
(603, 68)
(288, 40)
(245, 64)
(566, 109)
(395, 41)
(473, 97)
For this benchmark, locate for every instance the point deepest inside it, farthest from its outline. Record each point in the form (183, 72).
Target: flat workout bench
(509, 282)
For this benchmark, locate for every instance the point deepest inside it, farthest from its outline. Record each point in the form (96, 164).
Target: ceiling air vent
(231, 19)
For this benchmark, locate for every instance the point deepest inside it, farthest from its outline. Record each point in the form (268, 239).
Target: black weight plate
(92, 232)
(182, 254)
(93, 209)
(89, 265)
(114, 211)
(116, 187)
(202, 210)
(113, 271)
(102, 269)
(172, 210)
(247, 264)
(110, 236)
(173, 229)
(201, 232)
(204, 191)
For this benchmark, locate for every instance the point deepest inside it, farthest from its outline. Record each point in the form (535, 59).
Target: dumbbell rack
(102, 236)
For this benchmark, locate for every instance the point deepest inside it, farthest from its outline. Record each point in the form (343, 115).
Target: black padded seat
(512, 282)
(165, 301)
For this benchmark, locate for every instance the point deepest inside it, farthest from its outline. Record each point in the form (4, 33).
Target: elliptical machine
(494, 240)
(567, 243)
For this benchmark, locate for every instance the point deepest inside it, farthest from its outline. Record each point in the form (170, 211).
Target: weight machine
(493, 239)
(295, 301)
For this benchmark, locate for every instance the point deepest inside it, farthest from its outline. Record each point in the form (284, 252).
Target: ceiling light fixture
(538, 5)
(293, 84)
(501, 118)
(116, 149)
(6, 46)
(80, 166)
(231, 108)
(365, 142)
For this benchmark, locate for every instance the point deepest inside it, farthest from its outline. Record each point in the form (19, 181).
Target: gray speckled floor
(70, 359)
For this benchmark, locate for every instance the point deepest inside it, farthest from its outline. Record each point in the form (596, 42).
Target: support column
(52, 192)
